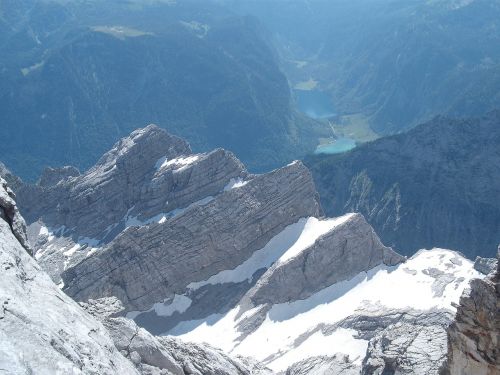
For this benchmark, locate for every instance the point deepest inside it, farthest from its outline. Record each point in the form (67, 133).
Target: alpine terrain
(225, 271)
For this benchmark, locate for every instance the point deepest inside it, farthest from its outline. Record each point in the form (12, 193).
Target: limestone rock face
(191, 245)
(147, 177)
(13, 181)
(474, 336)
(147, 264)
(342, 253)
(412, 343)
(199, 359)
(101, 197)
(42, 330)
(485, 265)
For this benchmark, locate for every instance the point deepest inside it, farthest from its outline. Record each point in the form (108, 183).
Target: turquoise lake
(336, 147)
(315, 104)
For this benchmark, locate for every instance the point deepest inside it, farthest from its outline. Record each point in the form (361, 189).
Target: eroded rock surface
(474, 336)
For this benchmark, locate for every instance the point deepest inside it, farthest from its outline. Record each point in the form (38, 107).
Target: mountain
(434, 186)
(393, 64)
(76, 76)
(195, 248)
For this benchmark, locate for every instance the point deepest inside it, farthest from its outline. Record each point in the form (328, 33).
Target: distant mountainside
(76, 76)
(436, 185)
(192, 245)
(396, 63)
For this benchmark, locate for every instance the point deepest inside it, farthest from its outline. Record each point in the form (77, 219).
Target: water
(315, 104)
(336, 147)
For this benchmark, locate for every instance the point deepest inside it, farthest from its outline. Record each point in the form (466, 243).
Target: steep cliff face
(9, 213)
(147, 264)
(434, 186)
(474, 336)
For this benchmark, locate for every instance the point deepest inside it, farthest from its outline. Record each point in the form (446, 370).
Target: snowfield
(430, 279)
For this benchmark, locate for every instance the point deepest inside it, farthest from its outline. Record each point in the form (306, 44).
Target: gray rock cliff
(147, 264)
(474, 336)
(342, 253)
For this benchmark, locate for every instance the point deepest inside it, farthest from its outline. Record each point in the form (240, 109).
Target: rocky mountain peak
(141, 150)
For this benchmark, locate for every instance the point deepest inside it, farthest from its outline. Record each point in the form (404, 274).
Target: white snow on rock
(72, 250)
(235, 183)
(177, 163)
(282, 247)
(430, 279)
(340, 341)
(179, 303)
(134, 221)
(313, 229)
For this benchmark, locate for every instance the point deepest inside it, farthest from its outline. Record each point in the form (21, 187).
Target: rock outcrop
(474, 336)
(411, 342)
(42, 330)
(52, 176)
(145, 178)
(348, 249)
(147, 264)
(9, 213)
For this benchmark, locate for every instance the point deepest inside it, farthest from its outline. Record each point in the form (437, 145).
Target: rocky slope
(474, 336)
(435, 186)
(43, 331)
(194, 246)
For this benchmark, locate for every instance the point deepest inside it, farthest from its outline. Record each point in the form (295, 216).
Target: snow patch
(313, 229)
(161, 163)
(134, 221)
(91, 242)
(179, 303)
(235, 183)
(341, 341)
(71, 251)
(178, 164)
(282, 247)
